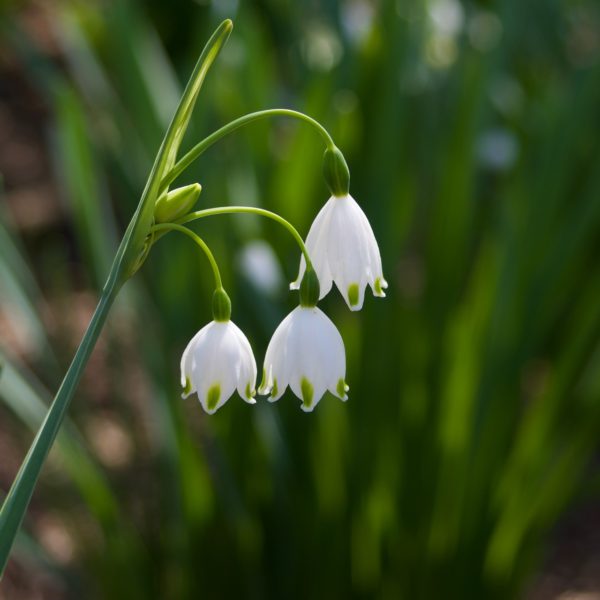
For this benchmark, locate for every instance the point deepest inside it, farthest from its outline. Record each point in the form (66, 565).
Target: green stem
(223, 210)
(200, 147)
(196, 238)
(126, 262)
(17, 500)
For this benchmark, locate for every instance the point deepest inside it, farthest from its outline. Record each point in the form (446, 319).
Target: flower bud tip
(176, 203)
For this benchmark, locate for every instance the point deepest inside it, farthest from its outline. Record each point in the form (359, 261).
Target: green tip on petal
(188, 387)
(250, 393)
(263, 383)
(353, 294)
(213, 396)
(307, 393)
(274, 389)
(378, 288)
(341, 388)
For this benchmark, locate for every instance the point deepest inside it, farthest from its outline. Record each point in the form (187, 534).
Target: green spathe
(336, 172)
(176, 203)
(128, 260)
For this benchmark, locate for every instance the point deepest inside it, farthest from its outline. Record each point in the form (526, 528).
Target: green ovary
(353, 294)
(212, 397)
(307, 392)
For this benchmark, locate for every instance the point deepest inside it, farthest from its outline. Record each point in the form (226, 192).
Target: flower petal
(246, 385)
(316, 244)
(217, 361)
(344, 250)
(186, 364)
(277, 363)
(311, 356)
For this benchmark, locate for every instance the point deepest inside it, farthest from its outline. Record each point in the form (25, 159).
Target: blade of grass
(83, 185)
(19, 293)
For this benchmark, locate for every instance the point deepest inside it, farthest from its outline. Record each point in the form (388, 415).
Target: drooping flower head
(217, 361)
(307, 353)
(341, 243)
(343, 250)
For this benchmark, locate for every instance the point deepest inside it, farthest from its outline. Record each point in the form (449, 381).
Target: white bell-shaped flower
(307, 353)
(343, 249)
(218, 360)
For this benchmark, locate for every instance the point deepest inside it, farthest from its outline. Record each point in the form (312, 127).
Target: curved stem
(222, 210)
(196, 238)
(208, 141)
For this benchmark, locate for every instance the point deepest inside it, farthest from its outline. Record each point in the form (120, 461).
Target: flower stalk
(197, 240)
(214, 137)
(306, 351)
(130, 255)
(253, 210)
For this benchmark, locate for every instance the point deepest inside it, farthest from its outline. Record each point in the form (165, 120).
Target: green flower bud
(221, 305)
(336, 172)
(176, 203)
(309, 288)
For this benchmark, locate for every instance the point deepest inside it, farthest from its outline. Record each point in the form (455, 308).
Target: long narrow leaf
(17, 500)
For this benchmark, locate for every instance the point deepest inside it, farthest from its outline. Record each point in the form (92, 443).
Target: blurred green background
(465, 464)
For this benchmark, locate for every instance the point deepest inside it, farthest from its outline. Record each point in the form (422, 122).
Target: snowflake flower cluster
(306, 351)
